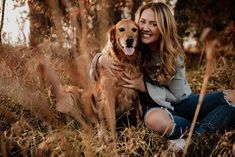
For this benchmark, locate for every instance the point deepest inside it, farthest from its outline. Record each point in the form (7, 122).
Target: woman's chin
(146, 41)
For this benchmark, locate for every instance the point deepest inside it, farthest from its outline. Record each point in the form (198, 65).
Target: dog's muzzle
(129, 42)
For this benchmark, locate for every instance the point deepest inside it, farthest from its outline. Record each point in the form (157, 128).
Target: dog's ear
(112, 33)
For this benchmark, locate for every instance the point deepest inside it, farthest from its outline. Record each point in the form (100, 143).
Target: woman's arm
(179, 86)
(102, 62)
(159, 94)
(177, 90)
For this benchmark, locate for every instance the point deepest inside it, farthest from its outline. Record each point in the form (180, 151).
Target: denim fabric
(215, 114)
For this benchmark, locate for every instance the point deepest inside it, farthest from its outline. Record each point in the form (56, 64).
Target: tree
(2, 19)
(194, 15)
(40, 22)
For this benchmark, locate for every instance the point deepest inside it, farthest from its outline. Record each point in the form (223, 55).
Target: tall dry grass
(32, 126)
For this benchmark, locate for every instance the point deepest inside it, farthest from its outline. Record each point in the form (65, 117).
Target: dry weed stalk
(211, 46)
(18, 80)
(226, 146)
(21, 135)
(67, 97)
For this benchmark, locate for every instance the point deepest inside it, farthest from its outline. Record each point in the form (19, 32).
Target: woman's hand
(108, 64)
(230, 96)
(135, 83)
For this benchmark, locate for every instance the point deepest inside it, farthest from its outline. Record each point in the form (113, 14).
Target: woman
(165, 90)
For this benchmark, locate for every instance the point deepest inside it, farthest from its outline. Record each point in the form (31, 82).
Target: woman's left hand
(230, 96)
(135, 83)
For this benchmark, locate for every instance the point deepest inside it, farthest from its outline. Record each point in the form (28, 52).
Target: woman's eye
(154, 24)
(121, 29)
(142, 22)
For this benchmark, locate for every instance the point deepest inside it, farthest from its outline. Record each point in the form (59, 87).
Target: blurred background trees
(71, 22)
(219, 15)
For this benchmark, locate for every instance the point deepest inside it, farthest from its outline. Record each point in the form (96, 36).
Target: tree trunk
(136, 5)
(40, 22)
(104, 20)
(2, 19)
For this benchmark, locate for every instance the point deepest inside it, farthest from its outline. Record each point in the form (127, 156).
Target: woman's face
(148, 27)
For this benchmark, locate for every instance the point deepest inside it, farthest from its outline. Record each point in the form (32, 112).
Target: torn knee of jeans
(228, 102)
(173, 121)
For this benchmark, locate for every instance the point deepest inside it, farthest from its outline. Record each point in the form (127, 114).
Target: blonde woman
(166, 96)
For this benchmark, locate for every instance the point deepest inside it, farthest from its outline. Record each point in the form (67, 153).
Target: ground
(31, 126)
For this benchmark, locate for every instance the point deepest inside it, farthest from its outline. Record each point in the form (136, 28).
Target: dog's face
(124, 36)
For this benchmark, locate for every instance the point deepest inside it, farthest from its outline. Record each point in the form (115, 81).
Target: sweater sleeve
(93, 73)
(160, 94)
(179, 86)
(177, 90)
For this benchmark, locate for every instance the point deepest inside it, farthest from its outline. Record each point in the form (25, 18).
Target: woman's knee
(229, 96)
(159, 120)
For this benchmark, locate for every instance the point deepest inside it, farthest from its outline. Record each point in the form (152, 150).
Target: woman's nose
(145, 27)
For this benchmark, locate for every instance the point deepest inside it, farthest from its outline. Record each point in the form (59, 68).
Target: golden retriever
(111, 99)
(106, 101)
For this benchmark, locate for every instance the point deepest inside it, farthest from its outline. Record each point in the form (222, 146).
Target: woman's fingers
(127, 80)
(136, 83)
(116, 67)
(129, 83)
(128, 86)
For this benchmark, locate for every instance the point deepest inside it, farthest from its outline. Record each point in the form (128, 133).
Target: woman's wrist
(143, 89)
(144, 86)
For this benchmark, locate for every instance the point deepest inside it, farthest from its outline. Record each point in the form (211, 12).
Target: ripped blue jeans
(216, 114)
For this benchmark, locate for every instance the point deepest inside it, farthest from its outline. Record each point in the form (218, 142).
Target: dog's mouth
(127, 49)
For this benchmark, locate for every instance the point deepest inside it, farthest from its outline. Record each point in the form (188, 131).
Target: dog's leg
(111, 116)
(108, 101)
(88, 102)
(139, 112)
(108, 114)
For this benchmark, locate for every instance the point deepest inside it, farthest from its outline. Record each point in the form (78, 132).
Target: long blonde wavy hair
(169, 48)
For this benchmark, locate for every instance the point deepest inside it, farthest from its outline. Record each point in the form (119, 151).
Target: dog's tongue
(129, 50)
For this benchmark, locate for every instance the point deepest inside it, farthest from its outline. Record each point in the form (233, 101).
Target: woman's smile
(148, 27)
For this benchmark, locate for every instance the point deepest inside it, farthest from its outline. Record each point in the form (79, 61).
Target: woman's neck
(154, 48)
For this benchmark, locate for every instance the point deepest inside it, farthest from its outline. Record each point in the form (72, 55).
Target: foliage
(194, 15)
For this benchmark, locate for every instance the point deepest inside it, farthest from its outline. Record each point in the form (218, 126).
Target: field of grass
(30, 124)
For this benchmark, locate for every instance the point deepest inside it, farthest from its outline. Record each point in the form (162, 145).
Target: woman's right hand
(108, 64)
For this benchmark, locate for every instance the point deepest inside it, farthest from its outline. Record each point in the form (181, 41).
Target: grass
(30, 125)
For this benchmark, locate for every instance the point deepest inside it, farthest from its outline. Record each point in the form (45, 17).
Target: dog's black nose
(129, 42)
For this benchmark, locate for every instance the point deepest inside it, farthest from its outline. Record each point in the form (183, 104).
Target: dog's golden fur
(112, 100)
(107, 100)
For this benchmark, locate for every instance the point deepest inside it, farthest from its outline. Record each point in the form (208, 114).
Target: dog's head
(124, 37)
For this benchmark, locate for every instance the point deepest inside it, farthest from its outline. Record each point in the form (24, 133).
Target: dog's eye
(121, 29)
(134, 29)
